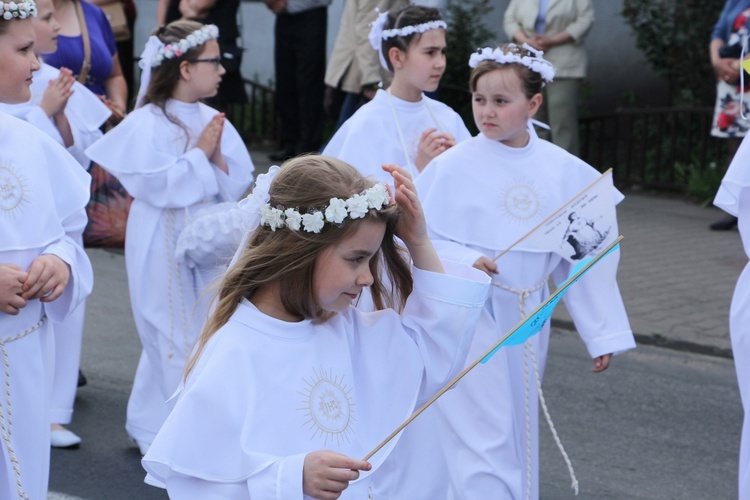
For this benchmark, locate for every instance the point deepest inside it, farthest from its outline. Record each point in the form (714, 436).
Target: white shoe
(63, 438)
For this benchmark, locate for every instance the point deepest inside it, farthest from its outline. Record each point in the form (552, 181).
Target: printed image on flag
(584, 226)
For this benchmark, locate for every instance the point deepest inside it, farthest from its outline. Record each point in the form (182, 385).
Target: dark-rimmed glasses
(216, 61)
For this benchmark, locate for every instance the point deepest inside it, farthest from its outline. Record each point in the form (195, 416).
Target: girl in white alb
(44, 272)
(287, 367)
(72, 115)
(734, 198)
(175, 156)
(401, 125)
(481, 197)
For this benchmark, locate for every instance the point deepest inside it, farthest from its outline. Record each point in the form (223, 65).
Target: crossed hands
(57, 93)
(210, 142)
(45, 280)
(325, 474)
(431, 144)
(728, 69)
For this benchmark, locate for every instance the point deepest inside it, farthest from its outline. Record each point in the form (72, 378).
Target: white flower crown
(177, 49)
(337, 210)
(536, 63)
(20, 10)
(378, 34)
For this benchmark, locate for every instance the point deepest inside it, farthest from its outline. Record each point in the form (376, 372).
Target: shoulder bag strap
(86, 66)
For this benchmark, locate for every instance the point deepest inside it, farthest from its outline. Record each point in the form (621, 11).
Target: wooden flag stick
(552, 215)
(505, 337)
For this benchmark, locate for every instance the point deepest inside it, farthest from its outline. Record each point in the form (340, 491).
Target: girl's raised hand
(47, 278)
(431, 144)
(412, 227)
(211, 135)
(12, 278)
(57, 93)
(325, 474)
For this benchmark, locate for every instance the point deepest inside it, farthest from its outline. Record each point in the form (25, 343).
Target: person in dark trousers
(300, 59)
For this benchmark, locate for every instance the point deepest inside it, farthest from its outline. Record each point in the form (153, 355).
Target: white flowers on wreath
(336, 212)
(535, 63)
(20, 10)
(179, 48)
(378, 33)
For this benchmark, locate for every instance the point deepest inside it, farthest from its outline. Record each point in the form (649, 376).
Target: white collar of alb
(18, 10)
(535, 63)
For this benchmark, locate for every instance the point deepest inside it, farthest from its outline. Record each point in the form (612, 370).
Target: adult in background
(725, 49)
(125, 46)
(84, 24)
(558, 28)
(300, 60)
(86, 46)
(223, 14)
(354, 67)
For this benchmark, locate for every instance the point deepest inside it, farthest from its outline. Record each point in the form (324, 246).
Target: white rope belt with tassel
(528, 354)
(6, 422)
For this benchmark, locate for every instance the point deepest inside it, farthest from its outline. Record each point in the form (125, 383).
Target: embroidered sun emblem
(328, 407)
(520, 201)
(13, 190)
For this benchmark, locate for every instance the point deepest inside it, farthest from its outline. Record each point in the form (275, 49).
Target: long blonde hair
(288, 257)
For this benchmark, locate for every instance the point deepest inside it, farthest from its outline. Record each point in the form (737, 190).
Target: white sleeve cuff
(461, 284)
(612, 344)
(204, 170)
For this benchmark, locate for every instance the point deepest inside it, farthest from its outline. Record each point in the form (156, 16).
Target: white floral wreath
(337, 210)
(378, 34)
(177, 49)
(536, 63)
(20, 10)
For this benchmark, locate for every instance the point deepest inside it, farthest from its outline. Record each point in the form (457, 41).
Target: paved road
(659, 424)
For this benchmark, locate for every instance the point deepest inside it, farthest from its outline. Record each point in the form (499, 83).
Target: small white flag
(582, 227)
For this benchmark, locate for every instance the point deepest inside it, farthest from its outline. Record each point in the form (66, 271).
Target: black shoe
(724, 224)
(282, 156)
(82, 379)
